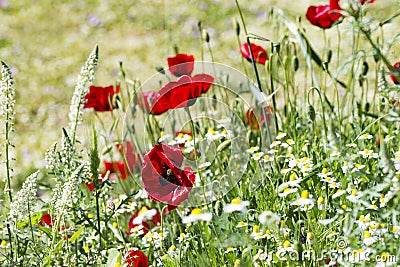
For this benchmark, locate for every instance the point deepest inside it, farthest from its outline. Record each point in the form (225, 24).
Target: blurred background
(46, 42)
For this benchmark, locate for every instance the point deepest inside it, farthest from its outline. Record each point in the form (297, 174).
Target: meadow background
(45, 43)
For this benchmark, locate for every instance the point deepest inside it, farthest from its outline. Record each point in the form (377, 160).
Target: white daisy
(287, 191)
(358, 167)
(368, 238)
(197, 215)
(354, 196)
(253, 149)
(280, 135)
(144, 214)
(257, 156)
(368, 154)
(306, 202)
(164, 137)
(269, 217)
(338, 193)
(236, 205)
(275, 144)
(365, 136)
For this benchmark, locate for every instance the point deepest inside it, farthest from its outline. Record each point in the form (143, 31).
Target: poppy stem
(249, 46)
(193, 134)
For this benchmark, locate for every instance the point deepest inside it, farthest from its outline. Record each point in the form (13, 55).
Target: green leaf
(76, 235)
(35, 218)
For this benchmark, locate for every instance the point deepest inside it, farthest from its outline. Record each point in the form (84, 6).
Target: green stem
(10, 241)
(248, 43)
(98, 217)
(323, 111)
(30, 222)
(377, 49)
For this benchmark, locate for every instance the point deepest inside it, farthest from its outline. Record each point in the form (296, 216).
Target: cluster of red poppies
(325, 16)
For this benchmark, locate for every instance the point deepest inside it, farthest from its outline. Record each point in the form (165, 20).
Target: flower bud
(329, 56)
(236, 26)
(295, 63)
(206, 36)
(311, 113)
(159, 69)
(364, 68)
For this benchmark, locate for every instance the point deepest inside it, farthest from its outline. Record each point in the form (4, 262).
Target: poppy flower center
(168, 176)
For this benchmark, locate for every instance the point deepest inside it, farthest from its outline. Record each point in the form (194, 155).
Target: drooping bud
(206, 36)
(236, 26)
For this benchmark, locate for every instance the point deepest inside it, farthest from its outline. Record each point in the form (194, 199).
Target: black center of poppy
(168, 176)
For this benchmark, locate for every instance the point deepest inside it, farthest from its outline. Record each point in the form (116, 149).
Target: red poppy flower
(367, 1)
(324, 16)
(100, 98)
(131, 158)
(251, 120)
(162, 177)
(90, 185)
(122, 168)
(396, 79)
(136, 258)
(182, 93)
(46, 220)
(259, 53)
(145, 217)
(145, 100)
(181, 64)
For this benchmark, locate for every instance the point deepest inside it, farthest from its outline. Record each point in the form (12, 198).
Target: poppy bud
(199, 24)
(367, 106)
(206, 36)
(176, 49)
(376, 55)
(159, 69)
(121, 70)
(277, 47)
(364, 68)
(329, 56)
(311, 113)
(236, 26)
(295, 63)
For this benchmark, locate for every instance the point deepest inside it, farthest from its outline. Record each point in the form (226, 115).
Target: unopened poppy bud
(199, 24)
(277, 47)
(236, 26)
(367, 106)
(206, 36)
(295, 63)
(159, 69)
(121, 70)
(329, 56)
(176, 49)
(360, 79)
(311, 113)
(365, 68)
(376, 55)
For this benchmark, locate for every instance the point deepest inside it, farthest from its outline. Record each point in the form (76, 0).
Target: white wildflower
(24, 203)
